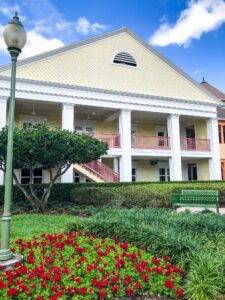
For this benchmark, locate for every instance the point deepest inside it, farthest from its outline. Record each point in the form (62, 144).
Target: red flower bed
(74, 266)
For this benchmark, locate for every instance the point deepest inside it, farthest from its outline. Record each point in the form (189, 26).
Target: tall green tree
(52, 149)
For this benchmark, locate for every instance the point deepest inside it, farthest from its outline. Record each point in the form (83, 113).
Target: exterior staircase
(97, 172)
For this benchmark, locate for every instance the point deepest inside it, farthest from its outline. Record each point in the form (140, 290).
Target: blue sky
(191, 33)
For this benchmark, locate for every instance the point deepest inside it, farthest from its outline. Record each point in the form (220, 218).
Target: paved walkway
(197, 209)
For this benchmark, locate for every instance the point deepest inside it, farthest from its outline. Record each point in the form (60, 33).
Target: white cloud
(201, 16)
(85, 27)
(46, 28)
(9, 10)
(37, 43)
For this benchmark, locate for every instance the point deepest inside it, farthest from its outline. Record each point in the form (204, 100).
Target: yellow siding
(200, 129)
(52, 120)
(106, 127)
(203, 169)
(146, 172)
(91, 66)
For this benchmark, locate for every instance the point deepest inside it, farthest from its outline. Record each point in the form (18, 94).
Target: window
(134, 175)
(124, 58)
(76, 177)
(37, 176)
(164, 174)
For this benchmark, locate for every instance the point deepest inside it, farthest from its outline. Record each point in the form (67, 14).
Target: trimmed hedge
(140, 194)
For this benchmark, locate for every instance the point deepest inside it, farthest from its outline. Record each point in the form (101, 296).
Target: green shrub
(206, 278)
(127, 195)
(194, 241)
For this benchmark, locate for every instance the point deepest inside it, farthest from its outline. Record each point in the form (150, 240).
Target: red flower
(144, 277)
(115, 289)
(82, 290)
(79, 250)
(77, 280)
(137, 286)
(40, 298)
(155, 261)
(114, 279)
(12, 292)
(57, 277)
(94, 282)
(166, 258)
(2, 284)
(129, 292)
(179, 292)
(169, 284)
(124, 246)
(119, 264)
(102, 293)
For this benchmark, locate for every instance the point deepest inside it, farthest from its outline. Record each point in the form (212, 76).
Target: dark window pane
(25, 172)
(25, 180)
(38, 180)
(38, 172)
(220, 139)
(162, 172)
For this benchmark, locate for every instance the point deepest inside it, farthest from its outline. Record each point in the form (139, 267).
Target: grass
(27, 225)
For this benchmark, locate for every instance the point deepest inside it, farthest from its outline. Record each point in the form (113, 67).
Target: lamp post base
(5, 254)
(10, 263)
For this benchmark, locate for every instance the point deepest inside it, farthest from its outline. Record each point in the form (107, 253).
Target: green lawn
(27, 225)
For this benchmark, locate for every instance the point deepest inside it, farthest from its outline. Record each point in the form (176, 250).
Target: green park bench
(196, 198)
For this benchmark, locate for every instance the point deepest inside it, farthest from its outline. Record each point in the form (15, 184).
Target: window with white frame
(164, 174)
(26, 119)
(37, 176)
(86, 126)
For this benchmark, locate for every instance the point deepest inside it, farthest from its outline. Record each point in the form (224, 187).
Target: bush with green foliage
(127, 195)
(194, 241)
(51, 149)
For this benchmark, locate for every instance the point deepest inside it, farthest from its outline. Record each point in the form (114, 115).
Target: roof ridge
(64, 48)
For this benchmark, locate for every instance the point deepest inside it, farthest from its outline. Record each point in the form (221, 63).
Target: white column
(214, 162)
(68, 123)
(173, 126)
(3, 110)
(125, 136)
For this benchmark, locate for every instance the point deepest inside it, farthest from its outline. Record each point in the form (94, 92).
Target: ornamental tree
(53, 150)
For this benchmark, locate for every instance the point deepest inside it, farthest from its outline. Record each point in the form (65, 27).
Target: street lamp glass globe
(14, 34)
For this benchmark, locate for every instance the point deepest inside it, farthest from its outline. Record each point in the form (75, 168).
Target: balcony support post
(125, 135)
(3, 110)
(214, 162)
(173, 125)
(68, 123)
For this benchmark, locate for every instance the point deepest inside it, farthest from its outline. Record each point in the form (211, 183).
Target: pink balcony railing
(102, 171)
(150, 142)
(195, 144)
(113, 140)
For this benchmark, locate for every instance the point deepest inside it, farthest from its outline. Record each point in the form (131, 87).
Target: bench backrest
(199, 196)
(201, 192)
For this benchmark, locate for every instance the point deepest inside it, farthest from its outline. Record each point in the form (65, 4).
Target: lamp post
(15, 38)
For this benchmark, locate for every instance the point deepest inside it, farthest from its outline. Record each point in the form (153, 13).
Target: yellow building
(221, 117)
(159, 123)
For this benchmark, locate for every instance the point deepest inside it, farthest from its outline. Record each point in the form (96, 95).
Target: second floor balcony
(191, 144)
(155, 142)
(150, 142)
